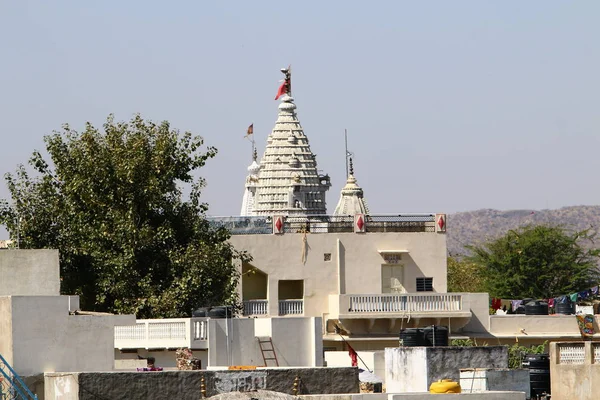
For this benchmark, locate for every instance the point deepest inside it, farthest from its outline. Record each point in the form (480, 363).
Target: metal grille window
(424, 284)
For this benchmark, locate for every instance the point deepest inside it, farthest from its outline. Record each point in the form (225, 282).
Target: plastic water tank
(567, 308)
(536, 308)
(539, 373)
(201, 312)
(436, 336)
(220, 312)
(412, 337)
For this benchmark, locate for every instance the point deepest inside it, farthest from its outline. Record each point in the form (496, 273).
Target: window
(424, 284)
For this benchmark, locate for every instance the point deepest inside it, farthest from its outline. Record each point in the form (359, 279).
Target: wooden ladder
(267, 350)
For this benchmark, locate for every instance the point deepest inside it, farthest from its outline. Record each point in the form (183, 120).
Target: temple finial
(286, 86)
(351, 167)
(254, 155)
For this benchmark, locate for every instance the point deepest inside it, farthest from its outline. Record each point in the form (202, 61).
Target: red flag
(283, 89)
(250, 130)
(353, 355)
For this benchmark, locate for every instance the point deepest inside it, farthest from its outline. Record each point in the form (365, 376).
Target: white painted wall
(355, 266)
(29, 273)
(406, 371)
(374, 360)
(45, 338)
(297, 341)
(6, 336)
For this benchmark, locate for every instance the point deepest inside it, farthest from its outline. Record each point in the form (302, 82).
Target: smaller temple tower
(251, 184)
(352, 200)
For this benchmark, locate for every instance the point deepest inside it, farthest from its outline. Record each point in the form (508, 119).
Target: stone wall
(184, 385)
(446, 362)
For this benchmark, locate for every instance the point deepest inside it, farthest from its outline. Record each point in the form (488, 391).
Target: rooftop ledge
(328, 224)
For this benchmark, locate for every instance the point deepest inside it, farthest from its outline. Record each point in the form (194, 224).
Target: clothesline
(497, 303)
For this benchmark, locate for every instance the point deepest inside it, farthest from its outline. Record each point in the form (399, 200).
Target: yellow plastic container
(445, 386)
(242, 367)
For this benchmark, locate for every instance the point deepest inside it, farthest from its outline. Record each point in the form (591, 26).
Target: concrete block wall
(184, 385)
(578, 375)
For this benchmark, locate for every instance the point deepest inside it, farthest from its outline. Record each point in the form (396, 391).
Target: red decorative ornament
(278, 224)
(440, 220)
(359, 223)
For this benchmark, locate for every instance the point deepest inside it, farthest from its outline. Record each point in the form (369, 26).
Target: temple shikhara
(287, 180)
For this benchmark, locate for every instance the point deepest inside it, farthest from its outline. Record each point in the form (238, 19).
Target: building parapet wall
(185, 385)
(327, 224)
(29, 273)
(575, 370)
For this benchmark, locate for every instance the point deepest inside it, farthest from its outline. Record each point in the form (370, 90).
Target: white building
(364, 277)
(42, 331)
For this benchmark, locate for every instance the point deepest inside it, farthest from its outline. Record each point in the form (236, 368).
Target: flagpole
(361, 360)
(346, 154)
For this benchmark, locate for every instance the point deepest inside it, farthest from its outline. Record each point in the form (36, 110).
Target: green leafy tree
(538, 261)
(464, 276)
(111, 202)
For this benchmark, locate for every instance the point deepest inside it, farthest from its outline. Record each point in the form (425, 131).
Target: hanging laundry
(584, 294)
(551, 302)
(594, 290)
(515, 304)
(573, 297)
(505, 304)
(496, 303)
(562, 299)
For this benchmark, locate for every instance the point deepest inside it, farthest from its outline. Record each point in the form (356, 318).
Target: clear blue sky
(449, 105)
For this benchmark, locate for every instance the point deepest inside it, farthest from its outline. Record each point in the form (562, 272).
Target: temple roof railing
(253, 225)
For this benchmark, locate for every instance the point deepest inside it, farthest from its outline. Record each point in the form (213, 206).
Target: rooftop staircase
(12, 386)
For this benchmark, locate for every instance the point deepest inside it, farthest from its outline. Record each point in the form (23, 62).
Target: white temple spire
(252, 178)
(289, 182)
(352, 198)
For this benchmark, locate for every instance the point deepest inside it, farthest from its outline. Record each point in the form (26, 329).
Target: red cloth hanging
(353, 355)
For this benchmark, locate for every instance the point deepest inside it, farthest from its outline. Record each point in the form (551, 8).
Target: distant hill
(474, 227)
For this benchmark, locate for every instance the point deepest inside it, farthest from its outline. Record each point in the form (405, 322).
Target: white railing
(201, 330)
(571, 354)
(256, 307)
(291, 307)
(398, 303)
(163, 333)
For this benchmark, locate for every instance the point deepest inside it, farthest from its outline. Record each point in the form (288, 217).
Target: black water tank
(436, 336)
(539, 373)
(220, 312)
(536, 308)
(201, 312)
(567, 308)
(412, 337)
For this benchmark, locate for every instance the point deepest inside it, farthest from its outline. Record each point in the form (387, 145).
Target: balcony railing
(291, 307)
(256, 307)
(357, 305)
(326, 224)
(167, 333)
